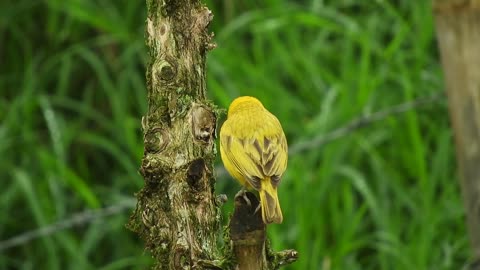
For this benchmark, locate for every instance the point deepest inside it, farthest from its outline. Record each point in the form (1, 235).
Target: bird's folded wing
(257, 157)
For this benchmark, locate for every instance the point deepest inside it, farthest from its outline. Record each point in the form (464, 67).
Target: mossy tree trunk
(177, 213)
(458, 32)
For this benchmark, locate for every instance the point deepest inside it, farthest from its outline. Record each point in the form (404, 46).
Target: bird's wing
(258, 156)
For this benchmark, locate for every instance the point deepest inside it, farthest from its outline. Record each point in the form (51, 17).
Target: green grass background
(73, 91)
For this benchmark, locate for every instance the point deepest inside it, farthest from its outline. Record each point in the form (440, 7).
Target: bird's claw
(243, 193)
(258, 208)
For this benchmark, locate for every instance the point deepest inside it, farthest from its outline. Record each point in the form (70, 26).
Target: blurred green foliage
(73, 92)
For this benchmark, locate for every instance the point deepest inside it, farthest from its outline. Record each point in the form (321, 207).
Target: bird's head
(242, 103)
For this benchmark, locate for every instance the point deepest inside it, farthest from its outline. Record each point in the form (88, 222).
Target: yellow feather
(253, 148)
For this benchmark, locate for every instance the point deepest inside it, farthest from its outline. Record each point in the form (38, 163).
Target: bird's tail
(271, 212)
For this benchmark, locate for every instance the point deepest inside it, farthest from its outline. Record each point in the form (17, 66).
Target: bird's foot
(243, 193)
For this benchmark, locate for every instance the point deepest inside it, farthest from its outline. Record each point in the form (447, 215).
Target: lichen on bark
(177, 213)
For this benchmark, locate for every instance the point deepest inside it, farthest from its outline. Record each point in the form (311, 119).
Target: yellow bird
(253, 148)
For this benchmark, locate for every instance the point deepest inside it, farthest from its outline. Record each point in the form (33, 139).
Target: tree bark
(177, 213)
(458, 32)
(249, 234)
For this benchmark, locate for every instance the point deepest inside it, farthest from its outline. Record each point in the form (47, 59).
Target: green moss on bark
(176, 213)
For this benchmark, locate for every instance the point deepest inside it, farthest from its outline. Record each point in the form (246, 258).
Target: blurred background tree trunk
(458, 31)
(177, 213)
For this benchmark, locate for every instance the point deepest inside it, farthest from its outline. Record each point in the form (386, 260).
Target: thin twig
(363, 121)
(75, 220)
(313, 143)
